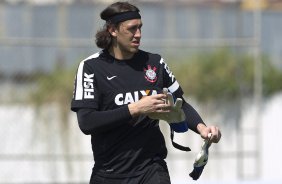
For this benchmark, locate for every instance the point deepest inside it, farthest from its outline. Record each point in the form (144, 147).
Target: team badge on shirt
(150, 74)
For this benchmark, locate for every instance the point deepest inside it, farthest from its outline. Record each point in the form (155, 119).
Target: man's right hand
(174, 114)
(150, 104)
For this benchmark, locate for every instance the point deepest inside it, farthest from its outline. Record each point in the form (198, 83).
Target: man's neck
(120, 55)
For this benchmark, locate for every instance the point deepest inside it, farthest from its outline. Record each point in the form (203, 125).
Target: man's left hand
(205, 130)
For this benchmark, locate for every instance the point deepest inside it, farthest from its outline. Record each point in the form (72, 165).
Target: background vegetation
(211, 76)
(224, 75)
(55, 87)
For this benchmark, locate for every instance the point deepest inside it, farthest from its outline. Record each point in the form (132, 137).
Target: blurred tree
(55, 87)
(54, 90)
(222, 75)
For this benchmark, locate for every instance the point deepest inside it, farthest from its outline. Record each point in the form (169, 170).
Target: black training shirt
(105, 86)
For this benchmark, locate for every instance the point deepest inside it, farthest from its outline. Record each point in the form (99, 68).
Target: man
(119, 99)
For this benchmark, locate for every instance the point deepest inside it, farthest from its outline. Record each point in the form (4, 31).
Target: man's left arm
(196, 124)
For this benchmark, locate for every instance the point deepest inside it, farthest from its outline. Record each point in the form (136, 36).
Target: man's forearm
(192, 117)
(91, 121)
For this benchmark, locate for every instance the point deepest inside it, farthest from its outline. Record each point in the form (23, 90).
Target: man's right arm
(91, 121)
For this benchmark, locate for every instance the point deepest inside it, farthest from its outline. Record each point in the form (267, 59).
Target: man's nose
(138, 33)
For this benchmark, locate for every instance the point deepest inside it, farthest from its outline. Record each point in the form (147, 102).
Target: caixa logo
(88, 86)
(131, 97)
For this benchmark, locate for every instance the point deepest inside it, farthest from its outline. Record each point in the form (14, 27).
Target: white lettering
(118, 99)
(88, 86)
(154, 92)
(128, 98)
(136, 96)
(88, 78)
(170, 74)
(143, 93)
(88, 93)
(131, 97)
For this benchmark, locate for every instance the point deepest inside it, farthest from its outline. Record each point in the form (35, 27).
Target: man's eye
(134, 28)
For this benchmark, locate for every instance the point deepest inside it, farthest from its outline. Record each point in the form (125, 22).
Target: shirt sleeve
(85, 94)
(170, 81)
(91, 121)
(192, 116)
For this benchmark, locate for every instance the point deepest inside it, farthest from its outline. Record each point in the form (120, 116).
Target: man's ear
(112, 30)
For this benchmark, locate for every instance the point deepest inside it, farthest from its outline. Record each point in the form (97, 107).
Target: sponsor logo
(88, 86)
(168, 70)
(131, 97)
(150, 74)
(110, 78)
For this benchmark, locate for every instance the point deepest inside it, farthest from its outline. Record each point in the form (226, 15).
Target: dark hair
(103, 37)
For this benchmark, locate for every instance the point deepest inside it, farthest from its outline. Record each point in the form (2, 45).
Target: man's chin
(134, 50)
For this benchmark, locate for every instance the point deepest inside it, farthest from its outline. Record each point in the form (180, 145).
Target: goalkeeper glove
(201, 159)
(176, 116)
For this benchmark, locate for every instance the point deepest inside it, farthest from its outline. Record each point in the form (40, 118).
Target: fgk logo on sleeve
(167, 70)
(88, 86)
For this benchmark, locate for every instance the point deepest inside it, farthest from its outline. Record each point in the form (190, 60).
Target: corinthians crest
(150, 74)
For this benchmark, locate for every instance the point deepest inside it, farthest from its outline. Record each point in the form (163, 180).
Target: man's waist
(122, 170)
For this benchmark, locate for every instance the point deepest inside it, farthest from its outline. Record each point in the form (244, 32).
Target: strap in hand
(177, 146)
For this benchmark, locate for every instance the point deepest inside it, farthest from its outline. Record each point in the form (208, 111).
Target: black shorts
(156, 173)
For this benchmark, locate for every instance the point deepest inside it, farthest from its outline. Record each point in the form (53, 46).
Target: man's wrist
(133, 110)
